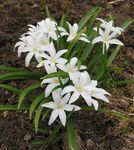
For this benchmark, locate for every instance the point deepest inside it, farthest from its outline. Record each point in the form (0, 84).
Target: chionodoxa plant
(72, 70)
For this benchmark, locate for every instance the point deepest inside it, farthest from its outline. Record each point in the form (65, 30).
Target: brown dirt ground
(96, 131)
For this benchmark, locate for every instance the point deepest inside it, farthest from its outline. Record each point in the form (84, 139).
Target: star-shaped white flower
(73, 31)
(59, 106)
(86, 88)
(107, 35)
(32, 46)
(52, 82)
(52, 57)
(48, 26)
(71, 68)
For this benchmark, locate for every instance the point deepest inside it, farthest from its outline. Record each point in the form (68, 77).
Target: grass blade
(13, 107)
(11, 69)
(88, 16)
(73, 145)
(26, 91)
(35, 102)
(21, 75)
(10, 88)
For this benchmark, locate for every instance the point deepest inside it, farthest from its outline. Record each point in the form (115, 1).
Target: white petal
(28, 58)
(95, 103)
(61, 61)
(107, 45)
(74, 97)
(65, 99)
(38, 57)
(53, 116)
(52, 50)
(115, 41)
(62, 116)
(53, 35)
(101, 96)
(73, 62)
(50, 68)
(49, 105)
(75, 28)
(57, 95)
(69, 107)
(61, 52)
(49, 89)
(68, 89)
(87, 98)
(70, 38)
(97, 39)
(84, 39)
(62, 67)
(46, 81)
(82, 67)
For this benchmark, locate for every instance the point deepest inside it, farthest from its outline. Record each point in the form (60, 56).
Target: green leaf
(38, 113)
(26, 91)
(122, 82)
(21, 75)
(13, 107)
(10, 88)
(63, 20)
(55, 74)
(11, 69)
(48, 13)
(35, 102)
(108, 112)
(73, 145)
(87, 17)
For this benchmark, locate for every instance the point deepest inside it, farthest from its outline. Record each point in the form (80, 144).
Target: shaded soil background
(96, 131)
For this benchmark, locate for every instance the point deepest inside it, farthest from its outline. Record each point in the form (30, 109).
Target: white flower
(73, 31)
(59, 106)
(53, 57)
(54, 81)
(86, 88)
(71, 68)
(48, 26)
(107, 35)
(30, 45)
(117, 30)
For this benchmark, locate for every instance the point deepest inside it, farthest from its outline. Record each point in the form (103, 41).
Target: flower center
(69, 69)
(79, 88)
(49, 29)
(59, 105)
(56, 80)
(35, 49)
(53, 60)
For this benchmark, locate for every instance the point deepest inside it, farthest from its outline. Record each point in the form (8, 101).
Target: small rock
(27, 137)
(5, 113)
(90, 144)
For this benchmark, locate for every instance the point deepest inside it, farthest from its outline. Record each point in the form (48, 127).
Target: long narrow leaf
(13, 107)
(86, 18)
(73, 145)
(26, 91)
(55, 74)
(35, 102)
(11, 69)
(10, 88)
(21, 75)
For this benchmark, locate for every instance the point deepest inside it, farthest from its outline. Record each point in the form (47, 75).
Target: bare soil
(95, 130)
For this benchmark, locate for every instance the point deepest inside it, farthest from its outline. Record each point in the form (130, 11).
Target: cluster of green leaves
(87, 53)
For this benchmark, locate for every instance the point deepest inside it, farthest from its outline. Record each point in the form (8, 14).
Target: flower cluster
(40, 41)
